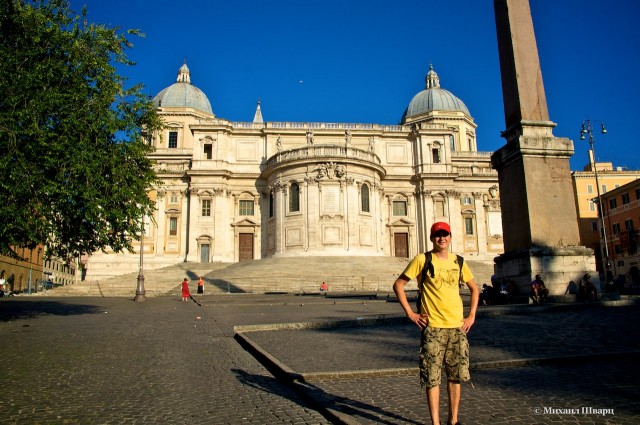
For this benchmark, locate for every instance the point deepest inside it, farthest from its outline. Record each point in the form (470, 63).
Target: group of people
(186, 294)
(499, 292)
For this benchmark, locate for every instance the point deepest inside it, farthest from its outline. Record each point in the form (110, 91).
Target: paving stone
(112, 361)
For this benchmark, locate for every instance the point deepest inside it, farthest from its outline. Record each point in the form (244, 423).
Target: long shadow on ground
(19, 309)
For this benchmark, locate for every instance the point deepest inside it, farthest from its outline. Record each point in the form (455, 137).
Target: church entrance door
(245, 243)
(401, 242)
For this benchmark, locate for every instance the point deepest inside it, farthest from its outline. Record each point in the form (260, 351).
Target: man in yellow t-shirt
(443, 325)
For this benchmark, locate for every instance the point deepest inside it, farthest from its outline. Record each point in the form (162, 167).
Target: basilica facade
(236, 191)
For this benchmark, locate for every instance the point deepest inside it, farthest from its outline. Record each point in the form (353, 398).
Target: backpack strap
(460, 263)
(428, 268)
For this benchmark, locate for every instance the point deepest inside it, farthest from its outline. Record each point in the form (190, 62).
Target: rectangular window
(468, 225)
(173, 199)
(452, 143)
(592, 205)
(638, 194)
(271, 195)
(594, 226)
(618, 249)
(616, 228)
(625, 198)
(173, 139)
(206, 207)
(399, 208)
(589, 188)
(294, 197)
(436, 156)
(246, 207)
(208, 151)
(628, 224)
(613, 203)
(173, 226)
(364, 197)
(604, 188)
(439, 207)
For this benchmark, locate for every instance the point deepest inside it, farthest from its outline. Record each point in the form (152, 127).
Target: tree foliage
(74, 171)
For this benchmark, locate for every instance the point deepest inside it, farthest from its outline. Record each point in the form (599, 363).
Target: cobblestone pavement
(113, 361)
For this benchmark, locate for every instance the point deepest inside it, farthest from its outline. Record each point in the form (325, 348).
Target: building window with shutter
(468, 226)
(399, 208)
(173, 226)
(246, 207)
(206, 207)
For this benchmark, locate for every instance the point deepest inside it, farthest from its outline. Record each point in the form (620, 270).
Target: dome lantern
(183, 94)
(433, 98)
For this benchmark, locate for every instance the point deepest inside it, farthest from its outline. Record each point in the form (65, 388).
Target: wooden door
(245, 247)
(401, 242)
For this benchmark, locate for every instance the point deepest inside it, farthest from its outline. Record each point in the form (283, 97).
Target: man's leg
(432, 348)
(453, 388)
(433, 398)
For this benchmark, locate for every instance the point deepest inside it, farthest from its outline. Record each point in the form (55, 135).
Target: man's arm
(468, 321)
(398, 287)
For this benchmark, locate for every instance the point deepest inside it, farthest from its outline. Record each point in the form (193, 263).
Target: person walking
(185, 290)
(440, 318)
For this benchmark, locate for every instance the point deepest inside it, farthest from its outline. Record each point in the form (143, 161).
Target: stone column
(538, 208)
(191, 215)
(161, 222)
(481, 223)
(279, 202)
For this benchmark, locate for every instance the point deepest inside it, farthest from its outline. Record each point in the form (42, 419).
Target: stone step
(286, 274)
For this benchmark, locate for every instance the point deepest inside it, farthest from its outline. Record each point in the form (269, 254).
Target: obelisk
(538, 206)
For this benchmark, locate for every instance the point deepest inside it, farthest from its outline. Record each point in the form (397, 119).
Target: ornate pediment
(404, 221)
(246, 222)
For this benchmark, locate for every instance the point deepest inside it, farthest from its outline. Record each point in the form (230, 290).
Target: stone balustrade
(322, 151)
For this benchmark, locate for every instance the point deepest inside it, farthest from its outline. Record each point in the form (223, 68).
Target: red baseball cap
(440, 225)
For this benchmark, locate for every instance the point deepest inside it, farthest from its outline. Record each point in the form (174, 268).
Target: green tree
(74, 171)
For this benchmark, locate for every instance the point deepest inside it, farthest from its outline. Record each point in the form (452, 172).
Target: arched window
(294, 197)
(364, 197)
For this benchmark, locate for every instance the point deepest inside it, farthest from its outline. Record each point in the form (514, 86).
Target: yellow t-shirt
(440, 294)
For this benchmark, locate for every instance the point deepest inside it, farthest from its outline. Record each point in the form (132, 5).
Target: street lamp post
(604, 246)
(140, 292)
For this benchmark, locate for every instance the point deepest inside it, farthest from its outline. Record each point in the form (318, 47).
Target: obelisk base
(558, 266)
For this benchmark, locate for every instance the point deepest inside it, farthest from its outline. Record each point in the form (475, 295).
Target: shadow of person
(328, 404)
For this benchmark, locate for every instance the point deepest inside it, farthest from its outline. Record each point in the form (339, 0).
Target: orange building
(15, 275)
(586, 194)
(621, 208)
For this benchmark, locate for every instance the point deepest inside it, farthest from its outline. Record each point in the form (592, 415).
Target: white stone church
(236, 191)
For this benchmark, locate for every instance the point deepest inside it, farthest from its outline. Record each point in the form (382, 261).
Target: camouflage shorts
(448, 345)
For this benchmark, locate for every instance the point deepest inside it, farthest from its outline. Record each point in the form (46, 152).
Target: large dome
(183, 94)
(434, 98)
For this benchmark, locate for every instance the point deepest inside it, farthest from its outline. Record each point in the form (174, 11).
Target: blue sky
(363, 61)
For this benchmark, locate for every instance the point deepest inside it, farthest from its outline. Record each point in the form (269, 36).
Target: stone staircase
(298, 275)
(156, 282)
